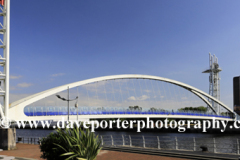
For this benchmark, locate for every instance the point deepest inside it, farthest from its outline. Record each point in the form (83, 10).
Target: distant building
(236, 94)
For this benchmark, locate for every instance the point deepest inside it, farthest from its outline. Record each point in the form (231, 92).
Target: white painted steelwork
(214, 81)
(4, 61)
(17, 108)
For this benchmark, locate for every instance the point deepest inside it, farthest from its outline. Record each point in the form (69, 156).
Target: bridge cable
(127, 91)
(87, 95)
(135, 91)
(165, 92)
(153, 92)
(159, 91)
(147, 89)
(176, 96)
(113, 91)
(105, 93)
(96, 90)
(170, 92)
(120, 90)
(180, 96)
(140, 87)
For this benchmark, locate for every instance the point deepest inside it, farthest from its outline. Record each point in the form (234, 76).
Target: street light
(64, 99)
(76, 106)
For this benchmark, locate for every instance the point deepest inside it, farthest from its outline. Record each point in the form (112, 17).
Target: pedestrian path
(5, 157)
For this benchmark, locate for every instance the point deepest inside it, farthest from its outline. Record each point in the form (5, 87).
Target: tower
(214, 80)
(4, 54)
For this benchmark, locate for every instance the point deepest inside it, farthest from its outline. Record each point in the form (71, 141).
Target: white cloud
(132, 98)
(15, 77)
(24, 85)
(57, 74)
(143, 97)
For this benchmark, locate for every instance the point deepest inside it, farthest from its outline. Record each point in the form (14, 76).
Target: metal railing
(161, 142)
(28, 140)
(57, 111)
(173, 143)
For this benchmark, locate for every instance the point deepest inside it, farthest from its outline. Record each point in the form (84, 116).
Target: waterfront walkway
(32, 152)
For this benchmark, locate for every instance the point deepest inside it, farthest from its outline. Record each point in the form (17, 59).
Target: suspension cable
(113, 91)
(159, 93)
(134, 90)
(154, 92)
(120, 90)
(105, 93)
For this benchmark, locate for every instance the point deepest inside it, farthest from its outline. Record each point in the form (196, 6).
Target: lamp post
(68, 100)
(76, 106)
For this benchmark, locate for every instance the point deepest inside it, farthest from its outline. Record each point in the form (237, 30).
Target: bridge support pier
(8, 138)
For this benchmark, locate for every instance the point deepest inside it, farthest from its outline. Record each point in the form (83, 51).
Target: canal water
(224, 143)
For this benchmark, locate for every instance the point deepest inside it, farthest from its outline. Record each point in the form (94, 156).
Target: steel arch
(18, 106)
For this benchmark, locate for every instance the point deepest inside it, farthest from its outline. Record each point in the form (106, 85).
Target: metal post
(237, 146)
(194, 144)
(123, 140)
(130, 141)
(28, 140)
(158, 143)
(68, 104)
(143, 142)
(112, 140)
(176, 143)
(214, 146)
(102, 140)
(77, 114)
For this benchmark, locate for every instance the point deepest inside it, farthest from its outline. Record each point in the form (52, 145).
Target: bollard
(158, 142)
(123, 140)
(214, 146)
(194, 144)
(112, 140)
(130, 141)
(237, 146)
(143, 142)
(176, 142)
(39, 140)
(102, 140)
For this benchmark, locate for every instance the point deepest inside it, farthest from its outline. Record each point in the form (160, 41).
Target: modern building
(236, 94)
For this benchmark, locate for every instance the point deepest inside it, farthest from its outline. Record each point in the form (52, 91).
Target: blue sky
(57, 42)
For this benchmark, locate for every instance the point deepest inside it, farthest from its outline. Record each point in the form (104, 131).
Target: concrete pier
(8, 138)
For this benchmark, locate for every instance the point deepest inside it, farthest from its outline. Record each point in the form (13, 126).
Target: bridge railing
(58, 111)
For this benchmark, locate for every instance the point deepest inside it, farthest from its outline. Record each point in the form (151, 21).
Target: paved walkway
(32, 152)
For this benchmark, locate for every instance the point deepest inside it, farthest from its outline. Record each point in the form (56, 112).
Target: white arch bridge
(119, 105)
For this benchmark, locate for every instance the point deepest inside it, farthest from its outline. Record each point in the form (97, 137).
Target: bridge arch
(17, 107)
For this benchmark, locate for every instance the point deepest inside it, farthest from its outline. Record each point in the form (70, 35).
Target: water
(225, 143)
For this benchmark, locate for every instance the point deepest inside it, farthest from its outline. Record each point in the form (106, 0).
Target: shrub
(47, 145)
(70, 144)
(79, 144)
